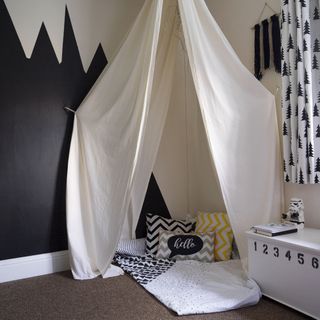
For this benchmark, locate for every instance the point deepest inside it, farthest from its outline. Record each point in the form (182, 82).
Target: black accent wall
(153, 203)
(35, 134)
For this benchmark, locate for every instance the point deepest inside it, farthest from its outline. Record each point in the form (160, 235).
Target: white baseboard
(32, 266)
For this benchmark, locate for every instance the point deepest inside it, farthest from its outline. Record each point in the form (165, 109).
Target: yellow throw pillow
(217, 222)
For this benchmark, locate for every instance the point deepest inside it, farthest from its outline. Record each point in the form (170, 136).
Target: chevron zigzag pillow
(217, 222)
(186, 246)
(156, 224)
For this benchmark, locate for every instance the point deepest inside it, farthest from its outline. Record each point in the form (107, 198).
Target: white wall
(236, 18)
(94, 21)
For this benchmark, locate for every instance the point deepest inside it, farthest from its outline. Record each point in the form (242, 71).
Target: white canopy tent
(118, 128)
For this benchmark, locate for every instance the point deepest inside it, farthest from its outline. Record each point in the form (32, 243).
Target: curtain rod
(69, 109)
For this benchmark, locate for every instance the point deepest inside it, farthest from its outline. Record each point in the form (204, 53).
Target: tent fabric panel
(240, 120)
(155, 122)
(106, 146)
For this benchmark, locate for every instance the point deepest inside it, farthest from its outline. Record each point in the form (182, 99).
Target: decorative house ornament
(295, 214)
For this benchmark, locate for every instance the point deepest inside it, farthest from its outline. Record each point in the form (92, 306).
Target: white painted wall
(236, 18)
(94, 21)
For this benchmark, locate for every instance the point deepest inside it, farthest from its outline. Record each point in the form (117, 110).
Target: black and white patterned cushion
(135, 247)
(186, 246)
(156, 224)
(143, 269)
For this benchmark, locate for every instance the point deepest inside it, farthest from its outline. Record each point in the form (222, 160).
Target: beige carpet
(58, 296)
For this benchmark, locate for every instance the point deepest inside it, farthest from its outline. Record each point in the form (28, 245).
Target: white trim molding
(32, 266)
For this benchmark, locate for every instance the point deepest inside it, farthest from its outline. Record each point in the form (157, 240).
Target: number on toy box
(300, 258)
(265, 248)
(287, 254)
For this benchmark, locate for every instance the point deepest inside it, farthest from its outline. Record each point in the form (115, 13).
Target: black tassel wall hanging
(257, 63)
(266, 46)
(276, 44)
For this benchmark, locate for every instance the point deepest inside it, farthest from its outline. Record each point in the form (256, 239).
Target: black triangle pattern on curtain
(35, 135)
(300, 54)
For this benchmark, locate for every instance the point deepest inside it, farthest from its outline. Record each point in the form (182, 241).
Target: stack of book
(275, 229)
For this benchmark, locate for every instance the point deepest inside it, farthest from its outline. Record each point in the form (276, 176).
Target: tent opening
(184, 167)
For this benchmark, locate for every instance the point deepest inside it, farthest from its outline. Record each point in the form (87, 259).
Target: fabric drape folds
(106, 147)
(118, 128)
(240, 120)
(300, 40)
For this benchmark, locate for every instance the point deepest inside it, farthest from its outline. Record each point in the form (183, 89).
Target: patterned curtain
(300, 54)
